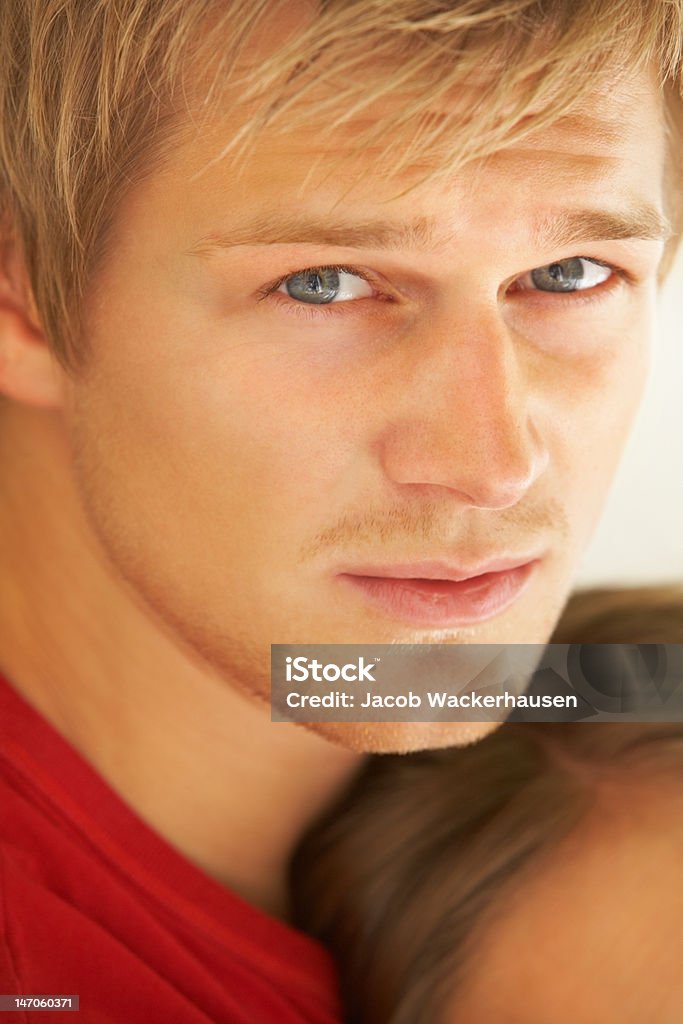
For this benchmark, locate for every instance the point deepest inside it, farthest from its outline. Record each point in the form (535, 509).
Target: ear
(29, 372)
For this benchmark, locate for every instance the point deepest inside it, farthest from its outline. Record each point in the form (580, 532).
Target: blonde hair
(403, 876)
(93, 94)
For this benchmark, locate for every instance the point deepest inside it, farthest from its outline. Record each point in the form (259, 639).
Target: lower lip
(443, 603)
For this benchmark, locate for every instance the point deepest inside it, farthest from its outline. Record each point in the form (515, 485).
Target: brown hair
(633, 615)
(92, 94)
(402, 876)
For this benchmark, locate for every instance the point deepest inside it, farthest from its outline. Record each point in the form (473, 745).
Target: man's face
(423, 456)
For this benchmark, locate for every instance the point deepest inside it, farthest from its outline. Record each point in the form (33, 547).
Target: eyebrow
(643, 222)
(282, 230)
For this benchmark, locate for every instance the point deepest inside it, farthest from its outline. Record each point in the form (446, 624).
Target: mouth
(439, 595)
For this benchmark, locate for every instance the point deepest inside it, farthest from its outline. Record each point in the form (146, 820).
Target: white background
(640, 537)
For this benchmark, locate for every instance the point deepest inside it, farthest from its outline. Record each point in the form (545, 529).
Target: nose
(465, 413)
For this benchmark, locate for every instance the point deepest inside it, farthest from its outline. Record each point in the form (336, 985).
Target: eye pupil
(562, 276)
(314, 286)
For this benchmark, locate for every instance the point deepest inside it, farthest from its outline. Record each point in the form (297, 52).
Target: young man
(318, 323)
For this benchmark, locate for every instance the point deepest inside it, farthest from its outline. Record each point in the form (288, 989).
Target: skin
(285, 437)
(613, 887)
(188, 496)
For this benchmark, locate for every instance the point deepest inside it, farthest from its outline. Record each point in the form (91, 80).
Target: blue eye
(319, 286)
(570, 275)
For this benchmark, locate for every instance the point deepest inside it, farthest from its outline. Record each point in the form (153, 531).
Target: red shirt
(94, 903)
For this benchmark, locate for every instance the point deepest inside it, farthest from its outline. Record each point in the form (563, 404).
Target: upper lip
(438, 569)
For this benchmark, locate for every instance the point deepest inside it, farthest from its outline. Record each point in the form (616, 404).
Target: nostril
(482, 463)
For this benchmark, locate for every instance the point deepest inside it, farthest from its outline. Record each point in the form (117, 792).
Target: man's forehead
(599, 172)
(608, 123)
(383, 115)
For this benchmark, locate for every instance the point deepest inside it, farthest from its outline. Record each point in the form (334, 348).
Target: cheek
(596, 422)
(208, 442)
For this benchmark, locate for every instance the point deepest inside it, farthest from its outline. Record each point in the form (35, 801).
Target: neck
(199, 762)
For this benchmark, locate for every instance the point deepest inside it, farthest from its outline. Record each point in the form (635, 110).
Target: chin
(400, 737)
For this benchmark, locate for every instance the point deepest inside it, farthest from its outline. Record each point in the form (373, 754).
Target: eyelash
(270, 291)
